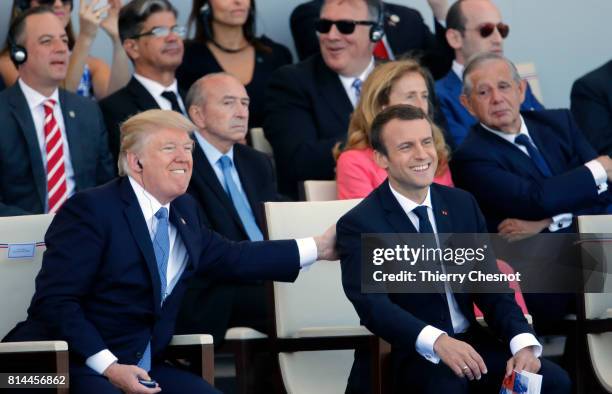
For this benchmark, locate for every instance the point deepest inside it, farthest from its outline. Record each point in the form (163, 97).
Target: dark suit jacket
(307, 113)
(399, 318)
(409, 36)
(125, 102)
(23, 187)
(592, 107)
(459, 120)
(506, 182)
(202, 300)
(99, 285)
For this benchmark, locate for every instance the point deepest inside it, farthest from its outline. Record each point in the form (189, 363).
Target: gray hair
(134, 14)
(374, 7)
(477, 61)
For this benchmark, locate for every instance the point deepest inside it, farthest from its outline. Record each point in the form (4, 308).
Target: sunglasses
(163, 31)
(51, 2)
(344, 26)
(486, 29)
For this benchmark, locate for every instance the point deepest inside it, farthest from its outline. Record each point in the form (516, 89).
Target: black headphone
(377, 31)
(18, 53)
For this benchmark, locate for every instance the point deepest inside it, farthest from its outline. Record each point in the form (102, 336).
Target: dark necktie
(534, 153)
(170, 96)
(424, 223)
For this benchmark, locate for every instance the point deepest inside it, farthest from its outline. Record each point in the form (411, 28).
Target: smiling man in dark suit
(154, 43)
(426, 328)
(406, 34)
(119, 258)
(53, 142)
(219, 105)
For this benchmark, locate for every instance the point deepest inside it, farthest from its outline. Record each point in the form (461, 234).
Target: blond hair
(136, 130)
(375, 95)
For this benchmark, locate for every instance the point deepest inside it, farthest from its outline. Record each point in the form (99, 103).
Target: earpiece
(17, 53)
(139, 164)
(377, 31)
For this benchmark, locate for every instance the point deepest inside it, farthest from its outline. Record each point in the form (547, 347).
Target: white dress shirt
(347, 82)
(156, 89)
(429, 334)
(36, 105)
(600, 177)
(177, 260)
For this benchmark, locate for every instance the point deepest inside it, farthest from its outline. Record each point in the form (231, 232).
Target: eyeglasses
(344, 26)
(51, 2)
(163, 31)
(486, 29)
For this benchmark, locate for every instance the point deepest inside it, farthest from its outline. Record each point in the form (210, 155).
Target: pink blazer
(357, 174)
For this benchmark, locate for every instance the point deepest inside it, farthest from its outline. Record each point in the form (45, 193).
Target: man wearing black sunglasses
(472, 26)
(308, 105)
(154, 42)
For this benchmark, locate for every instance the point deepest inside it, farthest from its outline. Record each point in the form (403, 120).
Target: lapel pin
(71, 114)
(444, 212)
(183, 221)
(393, 19)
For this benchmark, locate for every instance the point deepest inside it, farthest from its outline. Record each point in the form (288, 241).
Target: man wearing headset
(53, 142)
(308, 104)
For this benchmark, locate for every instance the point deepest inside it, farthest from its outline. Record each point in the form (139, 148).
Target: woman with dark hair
(87, 75)
(225, 41)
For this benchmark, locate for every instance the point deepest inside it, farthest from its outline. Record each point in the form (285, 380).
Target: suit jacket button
(138, 355)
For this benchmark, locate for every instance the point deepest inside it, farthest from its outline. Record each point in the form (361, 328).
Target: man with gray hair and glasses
(154, 43)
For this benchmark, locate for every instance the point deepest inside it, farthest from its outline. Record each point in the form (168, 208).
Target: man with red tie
(53, 142)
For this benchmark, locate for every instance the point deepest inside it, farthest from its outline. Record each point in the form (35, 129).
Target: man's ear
(454, 38)
(465, 101)
(196, 116)
(522, 89)
(381, 160)
(131, 48)
(133, 162)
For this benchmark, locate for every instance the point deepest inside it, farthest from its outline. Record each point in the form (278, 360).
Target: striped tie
(57, 190)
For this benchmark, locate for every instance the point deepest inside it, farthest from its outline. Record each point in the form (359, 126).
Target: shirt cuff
(560, 221)
(307, 248)
(599, 174)
(101, 360)
(425, 343)
(523, 340)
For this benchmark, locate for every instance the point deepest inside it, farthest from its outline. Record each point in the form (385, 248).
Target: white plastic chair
(320, 190)
(528, 72)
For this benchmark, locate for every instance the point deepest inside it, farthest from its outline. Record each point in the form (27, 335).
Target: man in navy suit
(219, 105)
(154, 42)
(472, 27)
(119, 257)
(424, 329)
(592, 107)
(406, 34)
(308, 104)
(531, 171)
(53, 142)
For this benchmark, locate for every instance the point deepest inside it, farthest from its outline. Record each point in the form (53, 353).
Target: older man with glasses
(472, 26)
(154, 42)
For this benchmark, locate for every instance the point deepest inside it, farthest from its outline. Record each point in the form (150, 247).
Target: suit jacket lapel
(551, 154)
(332, 91)
(21, 111)
(208, 175)
(139, 229)
(182, 224)
(247, 180)
(440, 211)
(141, 96)
(71, 123)
(395, 214)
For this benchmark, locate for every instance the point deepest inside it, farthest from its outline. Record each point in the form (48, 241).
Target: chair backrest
(260, 142)
(320, 191)
(316, 299)
(19, 236)
(528, 72)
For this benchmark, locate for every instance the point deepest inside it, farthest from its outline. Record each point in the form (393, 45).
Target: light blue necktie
(239, 200)
(534, 153)
(357, 86)
(161, 248)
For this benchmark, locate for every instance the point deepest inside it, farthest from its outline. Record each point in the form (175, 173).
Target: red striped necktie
(57, 189)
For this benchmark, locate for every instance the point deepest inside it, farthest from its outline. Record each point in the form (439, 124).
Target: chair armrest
(198, 349)
(192, 339)
(337, 331)
(243, 333)
(33, 346)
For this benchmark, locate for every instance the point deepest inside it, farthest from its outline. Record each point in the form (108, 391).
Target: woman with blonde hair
(399, 82)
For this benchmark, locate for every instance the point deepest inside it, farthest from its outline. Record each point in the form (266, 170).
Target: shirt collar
(156, 88)
(35, 98)
(347, 82)
(458, 69)
(148, 204)
(509, 137)
(407, 204)
(212, 154)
